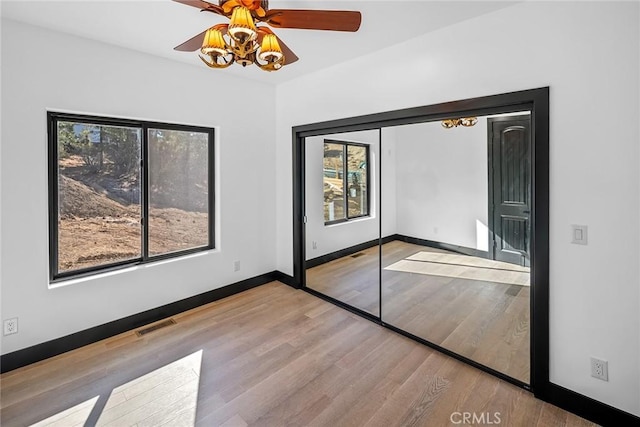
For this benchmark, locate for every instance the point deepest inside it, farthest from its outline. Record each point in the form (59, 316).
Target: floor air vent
(358, 255)
(149, 329)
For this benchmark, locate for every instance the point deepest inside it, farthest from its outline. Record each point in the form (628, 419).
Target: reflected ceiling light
(462, 121)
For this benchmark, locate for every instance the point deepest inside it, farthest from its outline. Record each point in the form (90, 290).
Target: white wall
(442, 183)
(46, 70)
(588, 53)
(331, 238)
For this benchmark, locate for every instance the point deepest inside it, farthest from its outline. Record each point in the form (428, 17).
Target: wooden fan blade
(192, 44)
(202, 5)
(332, 20)
(289, 56)
(195, 43)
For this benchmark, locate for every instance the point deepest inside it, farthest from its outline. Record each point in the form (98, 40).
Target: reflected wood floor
(270, 356)
(482, 320)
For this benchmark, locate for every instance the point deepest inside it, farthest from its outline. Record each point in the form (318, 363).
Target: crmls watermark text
(474, 418)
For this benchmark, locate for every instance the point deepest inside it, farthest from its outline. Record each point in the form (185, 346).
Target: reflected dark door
(510, 188)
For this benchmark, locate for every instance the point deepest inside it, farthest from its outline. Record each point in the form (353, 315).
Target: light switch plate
(579, 234)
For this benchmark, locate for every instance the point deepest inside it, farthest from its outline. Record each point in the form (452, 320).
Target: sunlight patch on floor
(76, 415)
(163, 396)
(463, 267)
(167, 396)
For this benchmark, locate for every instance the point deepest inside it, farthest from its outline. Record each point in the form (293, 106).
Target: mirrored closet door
(445, 237)
(456, 196)
(342, 218)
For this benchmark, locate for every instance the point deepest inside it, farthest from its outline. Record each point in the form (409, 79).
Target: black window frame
(345, 179)
(53, 118)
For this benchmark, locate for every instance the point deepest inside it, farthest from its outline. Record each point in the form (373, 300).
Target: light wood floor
(271, 356)
(482, 320)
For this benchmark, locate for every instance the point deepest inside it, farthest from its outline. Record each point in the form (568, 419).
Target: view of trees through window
(178, 190)
(100, 175)
(345, 181)
(98, 195)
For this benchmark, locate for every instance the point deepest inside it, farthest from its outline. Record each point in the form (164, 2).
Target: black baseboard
(586, 407)
(285, 278)
(323, 259)
(348, 251)
(314, 262)
(445, 246)
(38, 352)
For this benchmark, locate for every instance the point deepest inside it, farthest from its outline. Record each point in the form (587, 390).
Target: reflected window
(345, 181)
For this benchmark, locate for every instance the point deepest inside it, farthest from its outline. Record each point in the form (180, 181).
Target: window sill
(63, 282)
(349, 221)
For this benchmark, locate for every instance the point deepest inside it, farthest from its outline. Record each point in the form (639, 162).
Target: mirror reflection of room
(457, 273)
(342, 229)
(454, 201)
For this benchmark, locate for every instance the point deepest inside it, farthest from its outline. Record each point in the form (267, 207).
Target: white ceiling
(156, 26)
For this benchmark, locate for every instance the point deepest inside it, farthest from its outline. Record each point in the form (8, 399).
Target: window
(345, 180)
(124, 192)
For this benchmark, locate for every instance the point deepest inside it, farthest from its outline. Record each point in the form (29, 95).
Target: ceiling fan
(242, 42)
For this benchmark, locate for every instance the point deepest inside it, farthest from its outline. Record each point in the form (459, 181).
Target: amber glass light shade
(242, 27)
(213, 43)
(449, 123)
(468, 121)
(270, 49)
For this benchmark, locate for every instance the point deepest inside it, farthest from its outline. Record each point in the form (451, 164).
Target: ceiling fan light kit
(242, 42)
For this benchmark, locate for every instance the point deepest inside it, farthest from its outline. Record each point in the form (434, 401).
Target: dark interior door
(510, 188)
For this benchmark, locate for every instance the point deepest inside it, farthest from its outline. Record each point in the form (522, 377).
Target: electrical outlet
(579, 234)
(600, 369)
(11, 326)
(315, 244)
(236, 266)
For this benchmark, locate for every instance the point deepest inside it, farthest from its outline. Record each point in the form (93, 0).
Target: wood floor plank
(271, 356)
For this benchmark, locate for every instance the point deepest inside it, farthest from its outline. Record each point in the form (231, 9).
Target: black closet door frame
(534, 100)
